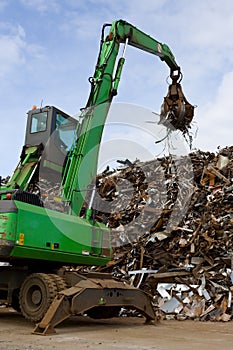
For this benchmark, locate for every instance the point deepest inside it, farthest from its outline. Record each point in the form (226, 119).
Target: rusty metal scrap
(191, 258)
(171, 222)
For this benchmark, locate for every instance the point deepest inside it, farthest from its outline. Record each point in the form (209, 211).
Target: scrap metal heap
(172, 231)
(171, 223)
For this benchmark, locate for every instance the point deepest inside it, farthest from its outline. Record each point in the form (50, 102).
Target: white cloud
(15, 50)
(35, 51)
(215, 118)
(12, 46)
(41, 5)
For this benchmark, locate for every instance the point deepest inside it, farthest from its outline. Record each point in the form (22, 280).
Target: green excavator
(44, 235)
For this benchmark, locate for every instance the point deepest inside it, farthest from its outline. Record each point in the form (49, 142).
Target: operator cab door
(54, 130)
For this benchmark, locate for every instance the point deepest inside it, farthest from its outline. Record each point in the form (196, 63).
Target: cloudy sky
(48, 49)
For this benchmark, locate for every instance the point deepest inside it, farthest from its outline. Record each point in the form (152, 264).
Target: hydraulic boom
(177, 113)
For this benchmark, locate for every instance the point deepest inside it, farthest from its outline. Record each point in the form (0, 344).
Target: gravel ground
(114, 334)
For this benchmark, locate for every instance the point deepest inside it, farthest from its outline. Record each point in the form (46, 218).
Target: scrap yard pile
(172, 231)
(171, 222)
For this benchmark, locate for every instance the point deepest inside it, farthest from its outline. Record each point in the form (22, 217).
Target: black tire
(59, 281)
(36, 295)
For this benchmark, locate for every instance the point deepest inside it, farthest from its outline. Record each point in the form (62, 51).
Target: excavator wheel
(59, 281)
(36, 295)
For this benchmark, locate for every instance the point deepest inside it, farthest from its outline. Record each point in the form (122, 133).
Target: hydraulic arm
(177, 113)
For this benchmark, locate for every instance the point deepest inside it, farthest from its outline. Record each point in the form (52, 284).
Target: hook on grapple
(176, 112)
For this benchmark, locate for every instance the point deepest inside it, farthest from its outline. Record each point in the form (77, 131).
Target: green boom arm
(81, 168)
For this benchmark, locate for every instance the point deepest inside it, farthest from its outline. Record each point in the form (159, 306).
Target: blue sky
(48, 49)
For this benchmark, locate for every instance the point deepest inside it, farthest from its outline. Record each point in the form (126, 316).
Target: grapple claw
(176, 112)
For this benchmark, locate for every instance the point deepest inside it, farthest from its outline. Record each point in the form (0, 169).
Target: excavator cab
(49, 136)
(54, 131)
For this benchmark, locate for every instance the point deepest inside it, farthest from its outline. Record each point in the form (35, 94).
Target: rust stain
(4, 217)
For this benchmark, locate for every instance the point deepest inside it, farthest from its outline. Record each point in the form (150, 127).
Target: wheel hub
(36, 297)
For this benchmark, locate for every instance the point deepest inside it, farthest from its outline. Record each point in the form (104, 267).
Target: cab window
(65, 128)
(39, 122)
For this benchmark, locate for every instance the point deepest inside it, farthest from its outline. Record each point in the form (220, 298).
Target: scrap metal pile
(172, 231)
(171, 222)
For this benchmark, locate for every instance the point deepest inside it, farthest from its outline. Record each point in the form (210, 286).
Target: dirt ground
(118, 333)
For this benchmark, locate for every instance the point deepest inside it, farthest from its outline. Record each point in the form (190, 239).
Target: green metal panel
(49, 235)
(8, 223)
(25, 168)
